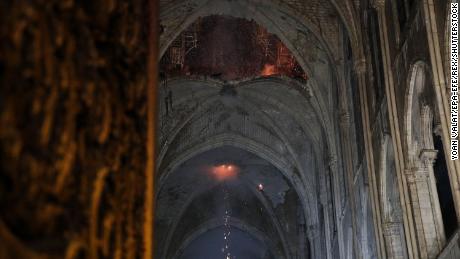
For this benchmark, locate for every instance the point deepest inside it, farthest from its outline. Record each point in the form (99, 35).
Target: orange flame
(224, 172)
(268, 70)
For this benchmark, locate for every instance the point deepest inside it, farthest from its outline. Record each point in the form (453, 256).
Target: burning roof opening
(229, 48)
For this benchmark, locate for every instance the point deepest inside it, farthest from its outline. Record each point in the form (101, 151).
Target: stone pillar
(428, 157)
(394, 241)
(440, 85)
(415, 204)
(360, 68)
(333, 170)
(430, 233)
(348, 151)
(408, 221)
(323, 197)
(313, 233)
(302, 244)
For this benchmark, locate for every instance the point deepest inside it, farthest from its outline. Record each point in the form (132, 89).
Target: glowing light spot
(260, 187)
(268, 70)
(225, 172)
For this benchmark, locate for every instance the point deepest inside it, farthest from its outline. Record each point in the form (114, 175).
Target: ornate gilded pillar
(95, 240)
(152, 94)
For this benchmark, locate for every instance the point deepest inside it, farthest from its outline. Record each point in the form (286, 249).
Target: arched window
(428, 177)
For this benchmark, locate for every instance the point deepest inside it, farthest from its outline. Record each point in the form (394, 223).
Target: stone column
(337, 201)
(360, 68)
(409, 227)
(440, 85)
(429, 233)
(394, 241)
(302, 244)
(324, 198)
(348, 151)
(428, 158)
(313, 233)
(415, 205)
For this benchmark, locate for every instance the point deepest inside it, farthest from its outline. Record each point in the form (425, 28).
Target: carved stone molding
(360, 66)
(416, 175)
(378, 4)
(428, 157)
(437, 128)
(392, 228)
(332, 163)
(344, 118)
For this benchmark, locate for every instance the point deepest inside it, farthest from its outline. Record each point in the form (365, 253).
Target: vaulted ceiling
(321, 17)
(257, 125)
(281, 132)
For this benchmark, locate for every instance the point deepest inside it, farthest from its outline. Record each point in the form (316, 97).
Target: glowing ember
(226, 249)
(268, 70)
(224, 172)
(260, 187)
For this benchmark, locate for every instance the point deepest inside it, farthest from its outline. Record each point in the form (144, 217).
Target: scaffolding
(284, 58)
(184, 44)
(263, 40)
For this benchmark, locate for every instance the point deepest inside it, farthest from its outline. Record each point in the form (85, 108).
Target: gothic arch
(306, 193)
(234, 222)
(262, 199)
(419, 111)
(321, 92)
(305, 184)
(305, 39)
(254, 100)
(420, 158)
(204, 91)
